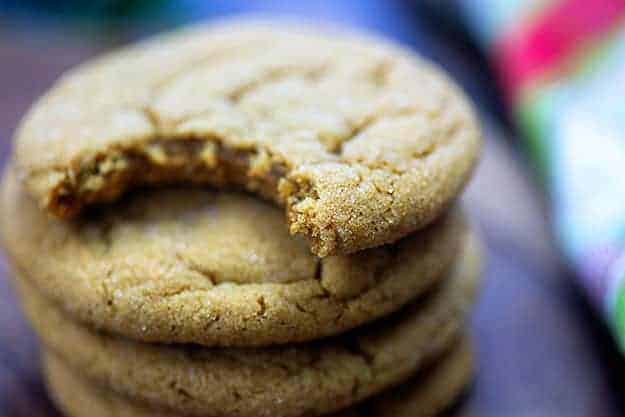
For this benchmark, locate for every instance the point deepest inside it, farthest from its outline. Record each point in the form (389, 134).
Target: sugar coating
(361, 141)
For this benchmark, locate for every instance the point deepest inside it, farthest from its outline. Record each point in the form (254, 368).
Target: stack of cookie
(144, 218)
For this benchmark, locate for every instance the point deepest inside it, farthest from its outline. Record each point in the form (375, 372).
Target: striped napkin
(561, 65)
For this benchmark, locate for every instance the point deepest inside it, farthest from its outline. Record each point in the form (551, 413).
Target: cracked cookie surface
(427, 394)
(310, 379)
(361, 141)
(213, 268)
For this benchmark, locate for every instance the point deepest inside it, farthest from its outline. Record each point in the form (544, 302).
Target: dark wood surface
(541, 350)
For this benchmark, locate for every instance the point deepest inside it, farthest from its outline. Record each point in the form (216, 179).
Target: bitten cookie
(310, 379)
(213, 268)
(361, 141)
(427, 394)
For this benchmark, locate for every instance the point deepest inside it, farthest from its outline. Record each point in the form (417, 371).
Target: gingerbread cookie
(361, 141)
(213, 268)
(314, 378)
(426, 395)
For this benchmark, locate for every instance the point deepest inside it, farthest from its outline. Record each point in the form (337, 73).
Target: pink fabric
(556, 34)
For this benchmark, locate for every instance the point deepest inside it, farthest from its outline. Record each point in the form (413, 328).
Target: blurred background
(543, 351)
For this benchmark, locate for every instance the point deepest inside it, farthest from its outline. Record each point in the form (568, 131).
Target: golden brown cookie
(306, 379)
(360, 140)
(427, 394)
(196, 266)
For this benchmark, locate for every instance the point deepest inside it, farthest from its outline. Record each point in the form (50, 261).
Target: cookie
(426, 395)
(213, 268)
(430, 393)
(306, 379)
(359, 140)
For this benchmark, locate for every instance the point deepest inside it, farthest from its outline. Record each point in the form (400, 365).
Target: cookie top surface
(213, 268)
(314, 378)
(426, 395)
(361, 141)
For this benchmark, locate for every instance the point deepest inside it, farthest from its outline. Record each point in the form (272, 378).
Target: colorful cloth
(562, 67)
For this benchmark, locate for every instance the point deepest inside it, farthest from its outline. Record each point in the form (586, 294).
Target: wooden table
(541, 350)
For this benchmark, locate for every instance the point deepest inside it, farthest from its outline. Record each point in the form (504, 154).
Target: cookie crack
(262, 306)
(356, 130)
(192, 266)
(381, 72)
(180, 391)
(204, 61)
(275, 75)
